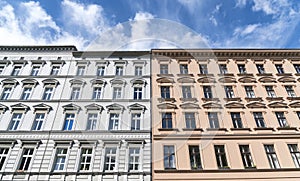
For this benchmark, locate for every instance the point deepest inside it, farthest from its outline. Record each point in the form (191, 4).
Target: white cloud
(242, 31)
(270, 6)
(191, 5)
(240, 3)
(212, 18)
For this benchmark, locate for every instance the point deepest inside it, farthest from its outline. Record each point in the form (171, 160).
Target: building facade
(70, 115)
(225, 114)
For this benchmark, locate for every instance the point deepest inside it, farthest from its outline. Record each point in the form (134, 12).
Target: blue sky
(142, 24)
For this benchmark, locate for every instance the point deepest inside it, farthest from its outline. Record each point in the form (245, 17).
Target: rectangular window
(110, 159)
(259, 119)
(169, 157)
(249, 92)
(117, 93)
(80, 70)
(165, 92)
(97, 93)
(134, 159)
(69, 121)
(281, 119)
(6, 93)
(184, 69)
(60, 159)
(207, 92)
(26, 93)
(272, 157)
(203, 69)
(242, 68)
(190, 121)
(100, 71)
(167, 120)
(85, 159)
(246, 156)
(290, 91)
(1, 69)
(135, 121)
(3, 156)
(297, 68)
(137, 93)
(114, 121)
(48, 93)
(270, 91)
(38, 121)
(195, 159)
(186, 92)
(223, 69)
(229, 91)
(295, 153)
(221, 156)
(92, 121)
(16, 71)
(26, 159)
(75, 93)
(260, 68)
(55, 70)
(119, 70)
(15, 121)
(213, 120)
(35, 70)
(298, 114)
(138, 71)
(279, 68)
(236, 120)
(164, 69)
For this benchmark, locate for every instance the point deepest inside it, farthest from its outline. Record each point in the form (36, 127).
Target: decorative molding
(20, 106)
(256, 105)
(165, 80)
(278, 105)
(234, 105)
(42, 107)
(167, 106)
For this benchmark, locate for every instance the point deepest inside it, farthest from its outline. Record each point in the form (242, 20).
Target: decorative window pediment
(189, 106)
(82, 62)
(51, 82)
(120, 62)
(167, 106)
(165, 80)
(98, 82)
(137, 106)
(102, 62)
(13, 82)
(267, 79)
(186, 80)
(286, 79)
(42, 107)
(227, 80)
(3, 108)
(207, 80)
(256, 105)
(58, 61)
(278, 105)
(20, 106)
(21, 61)
(234, 105)
(78, 82)
(39, 61)
(295, 105)
(94, 107)
(32, 82)
(115, 107)
(247, 79)
(71, 107)
(212, 105)
(141, 82)
(118, 82)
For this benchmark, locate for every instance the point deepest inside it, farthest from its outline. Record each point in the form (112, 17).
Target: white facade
(67, 115)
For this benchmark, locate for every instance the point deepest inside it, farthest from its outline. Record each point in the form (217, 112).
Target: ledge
(265, 75)
(293, 98)
(168, 129)
(287, 128)
(185, 75)
(205, 75)
(240, 129)
(264, 129)
(284, 74)
(165, 75)
(226, 75)
(274, 98)
(227, 170)
(210, 99)
(238, 99)
(191, 129)
(216, 129)
(188, 99)
(248, 99)
(245, 75)
(166, 99)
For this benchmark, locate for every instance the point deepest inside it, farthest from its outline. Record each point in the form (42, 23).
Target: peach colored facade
(225, 114)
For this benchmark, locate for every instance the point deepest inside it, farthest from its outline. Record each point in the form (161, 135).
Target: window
(169, 157)
(6, 93)
(229, 91)
(92, 121)
(48, 93)
(80, 70)
(164, 69)
(279, 68)
(184, 69)
(242, 68)
(165, 92)
(138, 71)
(15, 121)
(221, 156)
(298, 114)
(3, 156)
(75, 93)
(295, 153)
(207, 92)
(60, 159)
(55, 70)
(223, 69)
(186, 92)
(117, 92)
(195, 159)
(259, 119)
(16, 71)
(38, 121)
(281, 119)
(110, 159)
(69, 121)
(213, 120)
(236, 120)
(26, 93)
(137, 93)
(135, 121)
(1, 69)
(190, 120)
(270, 91)
(249, 92)
(297, 68)
(203, 69)
(134, 159)
(167, 120)
(246, 156)
(290, 91)
(97, 93)
(26, 159)
(119, 70)
(35, 70)
(113, 121)
(100, 71)
(272, 157)
(260, 68)
(85, 159)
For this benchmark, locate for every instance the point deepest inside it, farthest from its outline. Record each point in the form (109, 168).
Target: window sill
(166, 99)
(265, 75)
(293, 98)
(168, 129)
(192, 129)
(185, 75)
(245, 75)
(226, 75)
(263, 129)
(287, 128)
(216, 129)
(284, 74)
(165, 75)
(210, 99)
(205, 75)
(238, 99)
(274, 98)
(249, 99)
(188, 99)
(240, 129)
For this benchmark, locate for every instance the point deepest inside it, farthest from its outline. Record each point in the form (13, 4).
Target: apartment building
(228, 114)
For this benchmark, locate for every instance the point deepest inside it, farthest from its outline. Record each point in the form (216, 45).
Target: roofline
(37, 48)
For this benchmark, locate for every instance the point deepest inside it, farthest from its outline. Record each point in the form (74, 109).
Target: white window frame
(55, 69)
(75, 93)
(4, 91)
(26, 158)
(39, 120)
(138, 70)
(81, 69)
(35, 70)
(134, 155)
(91, 155)
(18, 119)
(13, 72)
(110, 154)
(55, 156)
(48, 86)
(96, 120)
(118, 118)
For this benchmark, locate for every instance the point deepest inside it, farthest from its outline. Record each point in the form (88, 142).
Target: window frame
(164, 69)
(92, 122)
(213, 118)
(246, 156)
(165, 92)
(67, 120)
(207, 91)
(111, 155)
(13, 121)
(25, 158)
(272, 156)
(259, 119)
(229, 91)
(167, 120)
(220, 155)
(81, 70)
(169, 156)
(195, 157)
(236, 119)
(190, 120)
(86, 155)
(295, 154)
(282, 121)
(270, 91)
(60, 155)
(203, 69)
(249, 91)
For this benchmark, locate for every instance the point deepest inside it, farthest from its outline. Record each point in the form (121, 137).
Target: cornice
(50, 48)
